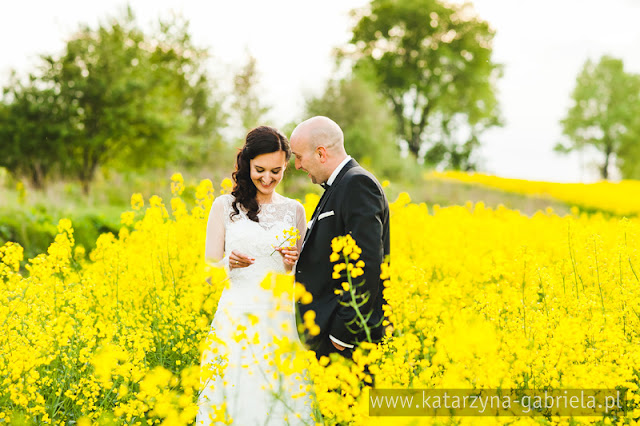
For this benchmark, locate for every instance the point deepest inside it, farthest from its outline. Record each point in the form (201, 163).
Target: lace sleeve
(301, 224)
(214, 244)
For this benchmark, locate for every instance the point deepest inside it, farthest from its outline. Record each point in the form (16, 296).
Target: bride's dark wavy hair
(261, 140)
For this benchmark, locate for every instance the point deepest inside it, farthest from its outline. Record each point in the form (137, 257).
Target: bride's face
(267, 171)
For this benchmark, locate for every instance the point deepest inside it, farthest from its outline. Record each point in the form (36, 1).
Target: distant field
(621, 198)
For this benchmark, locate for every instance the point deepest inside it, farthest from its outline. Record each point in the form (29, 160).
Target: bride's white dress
(248, 318)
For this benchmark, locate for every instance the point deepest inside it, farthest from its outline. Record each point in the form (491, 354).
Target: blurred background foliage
(119, 110)
(606, 115)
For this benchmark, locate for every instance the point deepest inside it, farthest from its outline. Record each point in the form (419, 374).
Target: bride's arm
(214, 242)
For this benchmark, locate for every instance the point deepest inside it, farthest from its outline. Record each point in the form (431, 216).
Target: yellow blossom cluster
(345, 247)
(226, 186)
(477, 298)
(606, 196)
(290, 236)
(112, 337)
(177, 184)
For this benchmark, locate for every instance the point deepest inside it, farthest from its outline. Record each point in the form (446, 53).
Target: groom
(353, 203)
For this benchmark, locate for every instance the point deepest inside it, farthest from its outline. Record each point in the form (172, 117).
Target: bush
(35, 228)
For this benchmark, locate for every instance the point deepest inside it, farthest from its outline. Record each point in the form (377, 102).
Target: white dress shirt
(335, 173)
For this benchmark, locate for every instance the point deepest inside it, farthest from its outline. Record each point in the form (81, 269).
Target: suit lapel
(352, 163)
(316, 212)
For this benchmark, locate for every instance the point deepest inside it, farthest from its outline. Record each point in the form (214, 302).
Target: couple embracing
(241, 232)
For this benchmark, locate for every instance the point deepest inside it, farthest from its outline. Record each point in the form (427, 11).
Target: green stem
(595, 252)
(629, 258)
(544, 295)
(353, 303)
(573, 263)
(624, 314)
(524, 305)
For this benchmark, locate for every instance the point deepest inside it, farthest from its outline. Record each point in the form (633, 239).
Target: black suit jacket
(354, 204)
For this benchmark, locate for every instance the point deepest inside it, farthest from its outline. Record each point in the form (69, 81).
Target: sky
(541, 44)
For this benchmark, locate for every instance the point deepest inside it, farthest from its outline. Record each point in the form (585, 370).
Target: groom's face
(307, 160)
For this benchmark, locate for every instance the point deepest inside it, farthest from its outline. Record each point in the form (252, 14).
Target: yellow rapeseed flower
(226, 186)
(137, 202)
(491, 299)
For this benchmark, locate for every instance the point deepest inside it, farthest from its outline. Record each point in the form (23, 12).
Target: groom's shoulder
(360, 175)
(358, 178)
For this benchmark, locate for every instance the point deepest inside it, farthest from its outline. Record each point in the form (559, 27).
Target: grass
(446, 193)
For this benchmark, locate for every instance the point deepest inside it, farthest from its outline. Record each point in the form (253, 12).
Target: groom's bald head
(321, 131)
(318, 145)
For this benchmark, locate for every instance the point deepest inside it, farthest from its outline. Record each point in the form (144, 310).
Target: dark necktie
(325, 185)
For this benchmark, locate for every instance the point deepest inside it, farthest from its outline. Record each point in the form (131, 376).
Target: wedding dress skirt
(246, 385)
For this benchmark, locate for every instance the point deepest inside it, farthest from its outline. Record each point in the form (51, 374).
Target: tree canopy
(366, 121)
(247, 107)
(114, 96)
(604, 114)
(432, 61)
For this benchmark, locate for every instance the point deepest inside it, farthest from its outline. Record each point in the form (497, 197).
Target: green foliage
(31, 123)
(605, 111)
(629, 154)
(432, 61)
(246, 103)
(114, 97)
(367, 123)
(202, 143)
(34, 228)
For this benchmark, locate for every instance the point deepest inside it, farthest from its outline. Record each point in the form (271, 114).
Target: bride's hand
(239, 260)
(289, 256)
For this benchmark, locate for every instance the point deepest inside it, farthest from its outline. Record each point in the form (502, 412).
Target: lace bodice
(256, 239)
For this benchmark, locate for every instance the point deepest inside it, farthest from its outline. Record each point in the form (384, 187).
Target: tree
(246, 103)
(629, 155)
(606, 104)
(366, 121)
(201, 142)
(124, 98)
(131, 95)
(31, 123)
(433, 64)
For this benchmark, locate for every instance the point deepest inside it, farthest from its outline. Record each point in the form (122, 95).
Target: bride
(244, 231)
